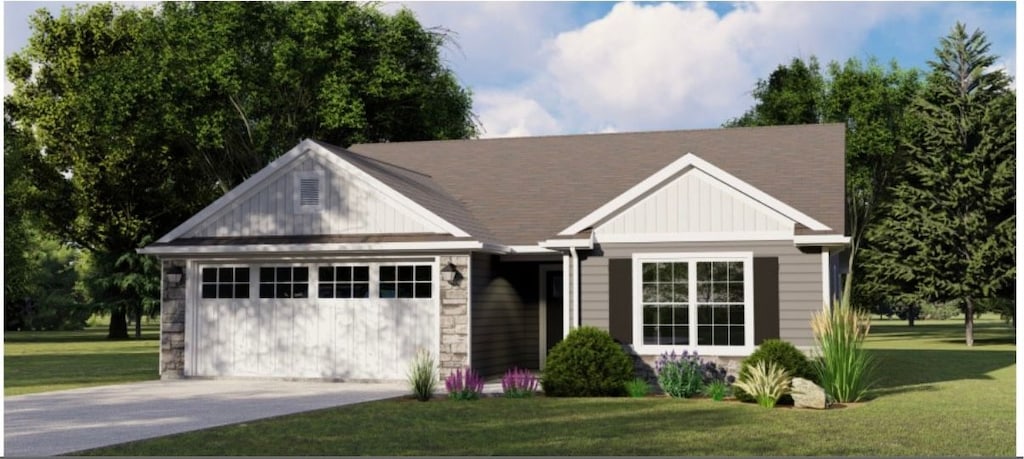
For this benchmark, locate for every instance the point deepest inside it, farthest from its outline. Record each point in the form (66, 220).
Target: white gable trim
(667, 172)
(284, 161)
(829, 240)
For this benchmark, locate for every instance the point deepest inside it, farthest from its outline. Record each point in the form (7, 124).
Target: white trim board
(668, 172)
(310, 248)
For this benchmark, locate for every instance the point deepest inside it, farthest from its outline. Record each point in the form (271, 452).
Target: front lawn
(934, 397)
(47, 361)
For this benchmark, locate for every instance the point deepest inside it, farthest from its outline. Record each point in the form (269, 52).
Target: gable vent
(309, 191)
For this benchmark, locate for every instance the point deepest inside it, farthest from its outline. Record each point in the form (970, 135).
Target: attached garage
(338, 319)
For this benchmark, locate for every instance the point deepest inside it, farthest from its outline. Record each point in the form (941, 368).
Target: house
(342, 263)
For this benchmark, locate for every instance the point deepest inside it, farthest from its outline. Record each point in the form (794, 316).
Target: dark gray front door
(553, 300)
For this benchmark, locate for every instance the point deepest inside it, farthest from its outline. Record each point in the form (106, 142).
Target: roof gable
(346, 200)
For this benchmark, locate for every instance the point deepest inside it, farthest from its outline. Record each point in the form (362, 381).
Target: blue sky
(576, 67)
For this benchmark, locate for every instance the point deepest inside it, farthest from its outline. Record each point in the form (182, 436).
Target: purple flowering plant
(686, 374)
(518, 383)
(464, 385)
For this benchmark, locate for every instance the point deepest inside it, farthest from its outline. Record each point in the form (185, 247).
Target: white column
(567, 300)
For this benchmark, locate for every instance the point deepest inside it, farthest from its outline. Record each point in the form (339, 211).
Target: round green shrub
(783, 353)
(587, 363)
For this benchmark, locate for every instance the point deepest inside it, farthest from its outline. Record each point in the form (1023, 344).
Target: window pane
(361, 273)
(405, 289)
(665, 334)
(360, 290)
(423, 273)
(266, 275)
(719, 292)
(241, 274)
(405, 273)
(736, 336)
(720, 270)
(721, 315)
(681, 293)
(736, 271)
(721, 337)
(387, 290)
(325, 290)
(703, 314)
(664, 272)
(703, 271)
(226, 275)
(283, 291)
(422, 290)
(300, 291)
(209, 274)
(284, 274)
(650, 335)
(242, 290)
(326, 274)
(650, 293)
(387, 273)
(665, 315)
(344, 290)
(266, 290)
(682, 315)
(735, 292)
(703, 292)
(665, 293)
(225, 291)
(650, 272)
(344, 273)
(680, 272)
(650, 314)
(703, 335)
(681, 335)
(209, 290)
(736, 314)
(300, 274)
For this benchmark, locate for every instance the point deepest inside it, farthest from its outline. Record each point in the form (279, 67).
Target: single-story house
(342, 263)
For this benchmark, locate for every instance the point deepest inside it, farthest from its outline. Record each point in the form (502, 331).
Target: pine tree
(950, 229)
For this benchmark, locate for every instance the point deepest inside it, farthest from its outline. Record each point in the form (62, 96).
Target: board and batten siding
(505, 314)
(349, 206)
(799, 272)
(695, 202)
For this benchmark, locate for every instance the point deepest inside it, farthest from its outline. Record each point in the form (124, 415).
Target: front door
(553, 313)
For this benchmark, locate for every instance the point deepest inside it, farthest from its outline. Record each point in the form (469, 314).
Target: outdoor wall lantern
(450, 274)
(175, 275)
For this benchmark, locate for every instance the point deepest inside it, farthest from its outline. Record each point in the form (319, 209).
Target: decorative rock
(806, 394)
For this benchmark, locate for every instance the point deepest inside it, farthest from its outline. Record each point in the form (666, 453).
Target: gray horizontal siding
(504, 316)
(799, 280)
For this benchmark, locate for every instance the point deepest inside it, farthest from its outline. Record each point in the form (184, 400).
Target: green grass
(47, 361)
(934, 397)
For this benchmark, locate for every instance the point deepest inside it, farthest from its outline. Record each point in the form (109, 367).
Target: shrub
(938, 311)
(422, 378)
(587, 363)
(637, 388)
(782, 353)
(685, 375)
(844, 367)
(466, 385)
(766, 382)
(518, 383)
(717, 390)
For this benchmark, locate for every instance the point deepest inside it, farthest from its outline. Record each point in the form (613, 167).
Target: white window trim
(297, 178)
(691, 257)
(369, 279)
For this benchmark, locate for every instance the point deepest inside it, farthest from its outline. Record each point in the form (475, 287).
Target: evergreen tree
(949, 232)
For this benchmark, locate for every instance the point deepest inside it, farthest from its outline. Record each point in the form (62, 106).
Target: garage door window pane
(226, 282)
(284, 282)
(406, 281)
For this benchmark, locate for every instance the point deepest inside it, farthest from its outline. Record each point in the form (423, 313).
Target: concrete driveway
(61, 422)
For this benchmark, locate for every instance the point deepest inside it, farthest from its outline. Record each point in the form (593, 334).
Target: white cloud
(505, 114)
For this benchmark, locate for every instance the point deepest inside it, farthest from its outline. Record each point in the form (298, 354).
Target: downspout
(575, 285)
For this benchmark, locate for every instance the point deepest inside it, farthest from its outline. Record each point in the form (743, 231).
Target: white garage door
(313, 320)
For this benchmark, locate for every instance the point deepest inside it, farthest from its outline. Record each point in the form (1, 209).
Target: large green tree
(872, 100)
(148, 114)
(950, 230)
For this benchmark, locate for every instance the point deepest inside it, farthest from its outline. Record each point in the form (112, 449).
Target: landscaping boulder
(806, 394)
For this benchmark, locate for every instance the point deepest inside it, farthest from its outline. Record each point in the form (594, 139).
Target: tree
(147, 115)
(792, 95)
(872, 101)
(950, 230)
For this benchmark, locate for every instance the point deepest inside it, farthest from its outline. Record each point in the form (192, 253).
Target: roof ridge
(332, 147)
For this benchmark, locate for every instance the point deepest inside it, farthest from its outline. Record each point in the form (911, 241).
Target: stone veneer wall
(454, 347)
(172, 324)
